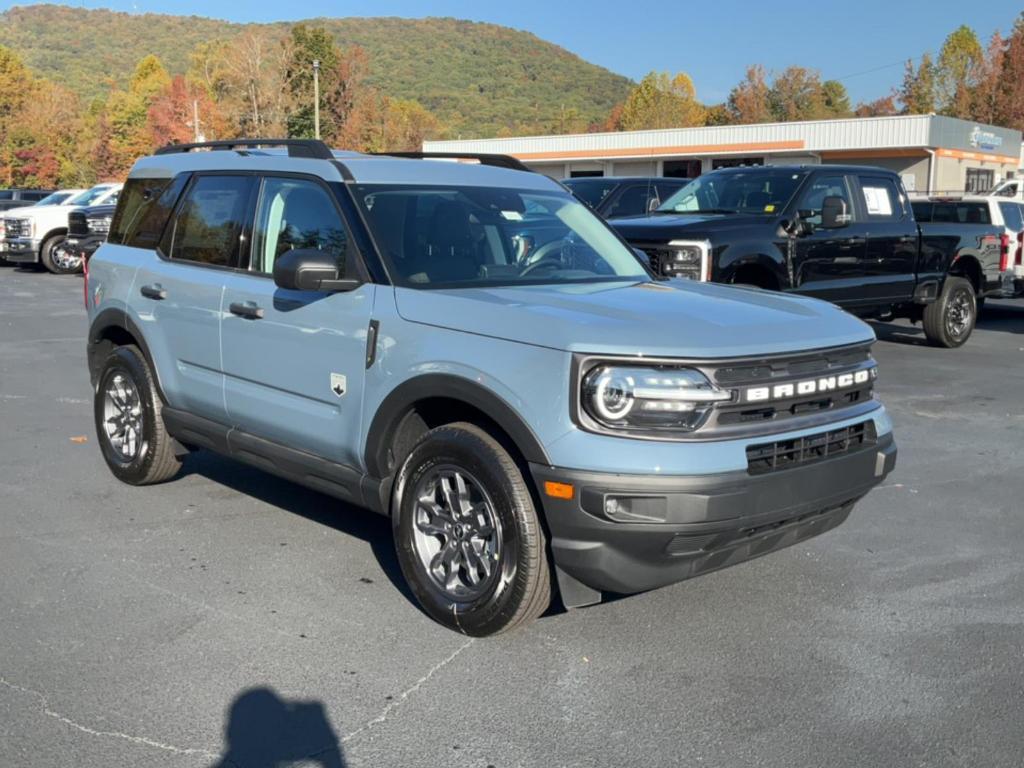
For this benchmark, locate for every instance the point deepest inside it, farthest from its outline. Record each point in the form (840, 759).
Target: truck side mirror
(834, 213)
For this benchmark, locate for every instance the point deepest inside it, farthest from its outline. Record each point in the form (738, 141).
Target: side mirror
(834, 213)
(652, 204)
(307, 269)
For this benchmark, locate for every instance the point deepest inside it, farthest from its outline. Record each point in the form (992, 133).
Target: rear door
(178, 290)
(890, 258)
(827, 263)
(294, 361)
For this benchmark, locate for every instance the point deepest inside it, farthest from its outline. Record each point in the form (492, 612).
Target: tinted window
(922, 211)
(36, 196)
(591, 192)
(632, 201)
(817, 191)
(55, 198)
(668, 188)
(145, 206)
(295, 213)
(881, 198)
(478, 236)
(1012, 216)
(6, 194)
(209, 221)
(961, 213)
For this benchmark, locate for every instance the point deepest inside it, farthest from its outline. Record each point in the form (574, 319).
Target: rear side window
(209, 222)
(145, 206)
(1012, 216)
(922, 212)
(882, 200)
(6, 194)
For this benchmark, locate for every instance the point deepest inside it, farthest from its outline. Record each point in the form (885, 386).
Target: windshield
(460, 237)
(54, 198)
(749, 190)
(591, 191)
(89, 196)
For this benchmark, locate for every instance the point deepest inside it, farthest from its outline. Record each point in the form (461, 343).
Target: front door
(294, 361)
(177, 294)
(827, 263)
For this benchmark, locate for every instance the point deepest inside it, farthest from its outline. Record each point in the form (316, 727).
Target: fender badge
(338, 384)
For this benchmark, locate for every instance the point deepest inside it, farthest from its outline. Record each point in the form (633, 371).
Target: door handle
(154, 291)
(845, 260)
(246, 309)
(908, 239)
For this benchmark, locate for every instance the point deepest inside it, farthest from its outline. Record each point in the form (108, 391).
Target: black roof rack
(308, 148)
(498, 161)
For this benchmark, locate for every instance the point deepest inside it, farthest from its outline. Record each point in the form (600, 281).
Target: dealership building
(930, 152)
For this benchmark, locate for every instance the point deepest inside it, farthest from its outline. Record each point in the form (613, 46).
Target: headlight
(686, 254)
(99, 226)
(648, 398)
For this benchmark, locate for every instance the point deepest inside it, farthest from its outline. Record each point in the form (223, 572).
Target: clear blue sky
(861, 43)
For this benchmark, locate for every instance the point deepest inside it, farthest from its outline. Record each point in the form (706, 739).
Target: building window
(585, 174)
(735, 162)
(681, 169)
(979, 180)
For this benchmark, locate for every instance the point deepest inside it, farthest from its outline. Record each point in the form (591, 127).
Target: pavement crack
(142, 740)
(400, 699)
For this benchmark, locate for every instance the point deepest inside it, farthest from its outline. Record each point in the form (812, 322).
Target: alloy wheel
(122, 416)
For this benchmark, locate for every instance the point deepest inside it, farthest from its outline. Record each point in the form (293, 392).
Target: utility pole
(316, 97)
(195, 120)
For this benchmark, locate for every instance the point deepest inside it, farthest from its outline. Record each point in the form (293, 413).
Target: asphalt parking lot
(231, 618)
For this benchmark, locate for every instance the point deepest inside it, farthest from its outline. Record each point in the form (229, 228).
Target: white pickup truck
(33, 235)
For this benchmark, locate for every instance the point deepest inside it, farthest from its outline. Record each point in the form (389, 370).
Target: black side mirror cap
(307, 269)
(834, 213)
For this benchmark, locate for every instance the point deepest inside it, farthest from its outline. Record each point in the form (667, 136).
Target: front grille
(786, 454)
(16, 228)
(99, 225)
(77, 224)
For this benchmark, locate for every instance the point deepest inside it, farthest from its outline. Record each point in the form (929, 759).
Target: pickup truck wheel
(130, 429)
(468, 538)
(949, 321)
(56, 260)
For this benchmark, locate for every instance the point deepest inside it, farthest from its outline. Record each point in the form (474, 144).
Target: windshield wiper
(702, 210)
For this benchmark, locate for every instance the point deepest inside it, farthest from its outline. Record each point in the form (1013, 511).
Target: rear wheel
(949, 321)
(468, 537)
(129, 426)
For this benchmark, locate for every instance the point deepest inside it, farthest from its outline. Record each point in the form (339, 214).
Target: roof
(346, 166)
(623, 179)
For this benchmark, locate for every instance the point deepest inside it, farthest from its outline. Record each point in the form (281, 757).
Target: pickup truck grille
(16, 228)
(786, 454)
(77, 224)
(99, 225)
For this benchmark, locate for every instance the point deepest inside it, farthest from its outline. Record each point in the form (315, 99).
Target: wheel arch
(756, 262)
(432, 399)
(115, 328)
(970, 268)
(52, 233)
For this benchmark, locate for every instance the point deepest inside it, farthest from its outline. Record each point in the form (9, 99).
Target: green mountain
(478, 78)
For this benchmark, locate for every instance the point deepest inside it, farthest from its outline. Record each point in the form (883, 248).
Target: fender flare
(400, 401)
(113, 317)
(765, 261)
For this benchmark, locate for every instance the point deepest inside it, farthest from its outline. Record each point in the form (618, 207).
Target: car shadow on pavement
(899, 333)
(1006, 317)
(312, 505)
(266, 731)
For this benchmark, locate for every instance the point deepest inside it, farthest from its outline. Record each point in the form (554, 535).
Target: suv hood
(676, 318)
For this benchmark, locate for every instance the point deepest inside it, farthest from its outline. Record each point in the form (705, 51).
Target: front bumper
(83, 246)
(21, 249)
(708, 522)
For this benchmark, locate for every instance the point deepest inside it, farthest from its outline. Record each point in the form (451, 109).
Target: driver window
(814, 197)
(295, 213)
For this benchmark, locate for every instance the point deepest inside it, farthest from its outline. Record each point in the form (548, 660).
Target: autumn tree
(172, 115)
(749, 101)
(917, 94)
(986, 106)
(957, 72)
(837, 100)
(661, 101)
(1011, 79)
(16, 84)
(128, 113)
(882, 107)
(796, 93)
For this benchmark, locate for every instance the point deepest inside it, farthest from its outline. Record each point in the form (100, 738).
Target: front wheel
(949, 321)
(56, 258)
(467, 534)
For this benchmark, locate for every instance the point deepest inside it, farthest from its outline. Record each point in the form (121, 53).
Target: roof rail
(498, 161)
(308, 148)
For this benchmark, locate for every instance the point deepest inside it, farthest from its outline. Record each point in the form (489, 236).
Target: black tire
(949, 320)
(46, 257)
(520, 589)
(154, 459)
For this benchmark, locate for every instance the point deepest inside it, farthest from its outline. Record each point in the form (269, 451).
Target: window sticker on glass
(512, 215)
(769, 208)
(877, 201)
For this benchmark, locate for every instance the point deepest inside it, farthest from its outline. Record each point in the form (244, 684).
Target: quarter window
(146, 205)
(209, 223)
(293, 214)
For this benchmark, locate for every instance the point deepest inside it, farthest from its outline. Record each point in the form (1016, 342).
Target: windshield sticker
(877, 200)
(769, 208)
(512, 215)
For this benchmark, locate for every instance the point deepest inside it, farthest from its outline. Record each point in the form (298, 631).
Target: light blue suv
(467, 349)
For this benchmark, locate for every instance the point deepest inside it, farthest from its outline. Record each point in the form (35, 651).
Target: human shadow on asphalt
(266, 731)
(312, 505)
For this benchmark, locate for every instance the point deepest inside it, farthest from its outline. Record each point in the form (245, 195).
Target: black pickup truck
(845, 234)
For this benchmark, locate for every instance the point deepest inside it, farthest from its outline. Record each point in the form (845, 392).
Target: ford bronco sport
(468, 349)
